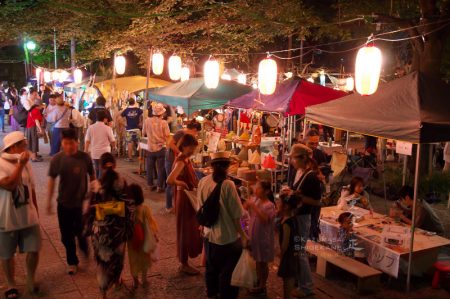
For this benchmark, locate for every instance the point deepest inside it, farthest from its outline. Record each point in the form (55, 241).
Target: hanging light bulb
(77, 76)
(63, 75)
(119, 64)
(242, 79)
(47, 76)
(310, 79)
(255, 86)
(349, 84)
(267, 76)
(55, 75)
(185, 73)
(367, 70)
(157, 63)
(38, 73)
(175, 67)
(211, 73)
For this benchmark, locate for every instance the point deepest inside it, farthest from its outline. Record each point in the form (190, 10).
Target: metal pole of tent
(238, 129)
(413, 226)
(405, 167)
(346, 141)
(304, 127)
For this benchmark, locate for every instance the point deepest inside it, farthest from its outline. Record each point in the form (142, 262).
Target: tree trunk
(73, 62)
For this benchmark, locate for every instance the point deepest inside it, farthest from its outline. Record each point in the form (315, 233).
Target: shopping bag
(244, 274)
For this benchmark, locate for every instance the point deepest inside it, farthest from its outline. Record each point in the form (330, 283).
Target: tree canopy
(197, 28)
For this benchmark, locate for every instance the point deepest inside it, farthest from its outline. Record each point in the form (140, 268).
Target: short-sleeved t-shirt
(170, 155)
(73, 172)
(132, 114)
(100, 137)
(17, 210)
(33, 115)
(224, 231)
(93, 114)
(310, 188)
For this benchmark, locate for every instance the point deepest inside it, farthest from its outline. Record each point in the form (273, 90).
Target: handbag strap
(299, 186)
(61, 117)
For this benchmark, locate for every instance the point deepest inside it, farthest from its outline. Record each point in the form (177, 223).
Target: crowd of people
(96, 203)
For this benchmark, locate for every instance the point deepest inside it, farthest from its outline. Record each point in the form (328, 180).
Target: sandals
(12, 294)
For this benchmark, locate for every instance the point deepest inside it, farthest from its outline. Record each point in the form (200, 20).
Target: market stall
(193, 95)
(411, 109)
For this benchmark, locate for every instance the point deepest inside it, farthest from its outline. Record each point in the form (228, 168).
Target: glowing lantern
(367, 70)
(322, 78)
(185, 73)
(55, 75)
(63, 75)
(119, 64)
(310, 79)
(157, 63)
(175, 67)
(47, 76)
(77, 76)
(211, 73)
(242, 79)
(267, 76)
(349, 84)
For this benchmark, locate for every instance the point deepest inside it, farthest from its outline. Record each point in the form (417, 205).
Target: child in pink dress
(262, 232)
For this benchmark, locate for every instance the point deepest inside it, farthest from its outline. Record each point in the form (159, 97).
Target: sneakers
(72, 269)
(129, 160)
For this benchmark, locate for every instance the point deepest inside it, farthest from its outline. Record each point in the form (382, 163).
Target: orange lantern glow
(175, 67)
(267, 76)
(367, 70)
(211, 72)
(157, 63)
(119, 64)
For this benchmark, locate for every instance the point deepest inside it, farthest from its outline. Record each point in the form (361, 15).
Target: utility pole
(54, 47)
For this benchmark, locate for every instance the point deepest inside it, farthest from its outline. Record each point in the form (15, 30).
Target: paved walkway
(165, 281)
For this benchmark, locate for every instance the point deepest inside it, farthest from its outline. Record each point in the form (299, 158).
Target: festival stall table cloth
(391, 259)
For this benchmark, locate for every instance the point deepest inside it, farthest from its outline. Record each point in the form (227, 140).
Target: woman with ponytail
(111, 214)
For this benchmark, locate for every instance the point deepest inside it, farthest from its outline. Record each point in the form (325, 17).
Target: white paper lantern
(47, 76)
(185, 73)
(77, 76)
(349, 84)
(367, 70)
(267, 76)
(242, 79)
(55, 75)
(157, 63)
(175, 67)
(211, 73)
(63, 75)
(119, 64)
(310, 79)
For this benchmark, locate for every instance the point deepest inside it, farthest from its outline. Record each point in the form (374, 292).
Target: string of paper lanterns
(267, 76)
(211, 72)
(175, 67)
(119, 64)
(367, 70)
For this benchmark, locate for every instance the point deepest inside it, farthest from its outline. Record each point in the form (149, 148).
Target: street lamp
(31, 45)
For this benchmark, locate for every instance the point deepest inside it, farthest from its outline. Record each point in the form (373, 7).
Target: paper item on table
(195, 201)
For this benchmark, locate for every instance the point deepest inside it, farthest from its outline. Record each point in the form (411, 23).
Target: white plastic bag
(244, 274)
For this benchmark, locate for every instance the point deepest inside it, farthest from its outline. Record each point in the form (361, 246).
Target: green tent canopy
(193, 95)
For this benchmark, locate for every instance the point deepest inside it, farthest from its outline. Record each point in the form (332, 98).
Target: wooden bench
(368, 277)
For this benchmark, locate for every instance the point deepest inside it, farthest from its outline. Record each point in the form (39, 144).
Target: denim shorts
(27, 239)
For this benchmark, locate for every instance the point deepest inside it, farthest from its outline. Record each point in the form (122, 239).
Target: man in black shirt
(73, 168)
(100, 104)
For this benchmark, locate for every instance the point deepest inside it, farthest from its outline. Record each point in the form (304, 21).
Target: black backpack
(20, 114)
(209, 212)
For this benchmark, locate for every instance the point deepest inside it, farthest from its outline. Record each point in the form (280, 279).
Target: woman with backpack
(223, 247)
(183, 177)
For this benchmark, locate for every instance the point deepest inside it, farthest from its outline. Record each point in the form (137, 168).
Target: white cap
(11, 139)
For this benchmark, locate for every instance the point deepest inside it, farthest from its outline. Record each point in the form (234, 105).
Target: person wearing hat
(19, 222)
(158, 134)
(308, 184)
(225, 239)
